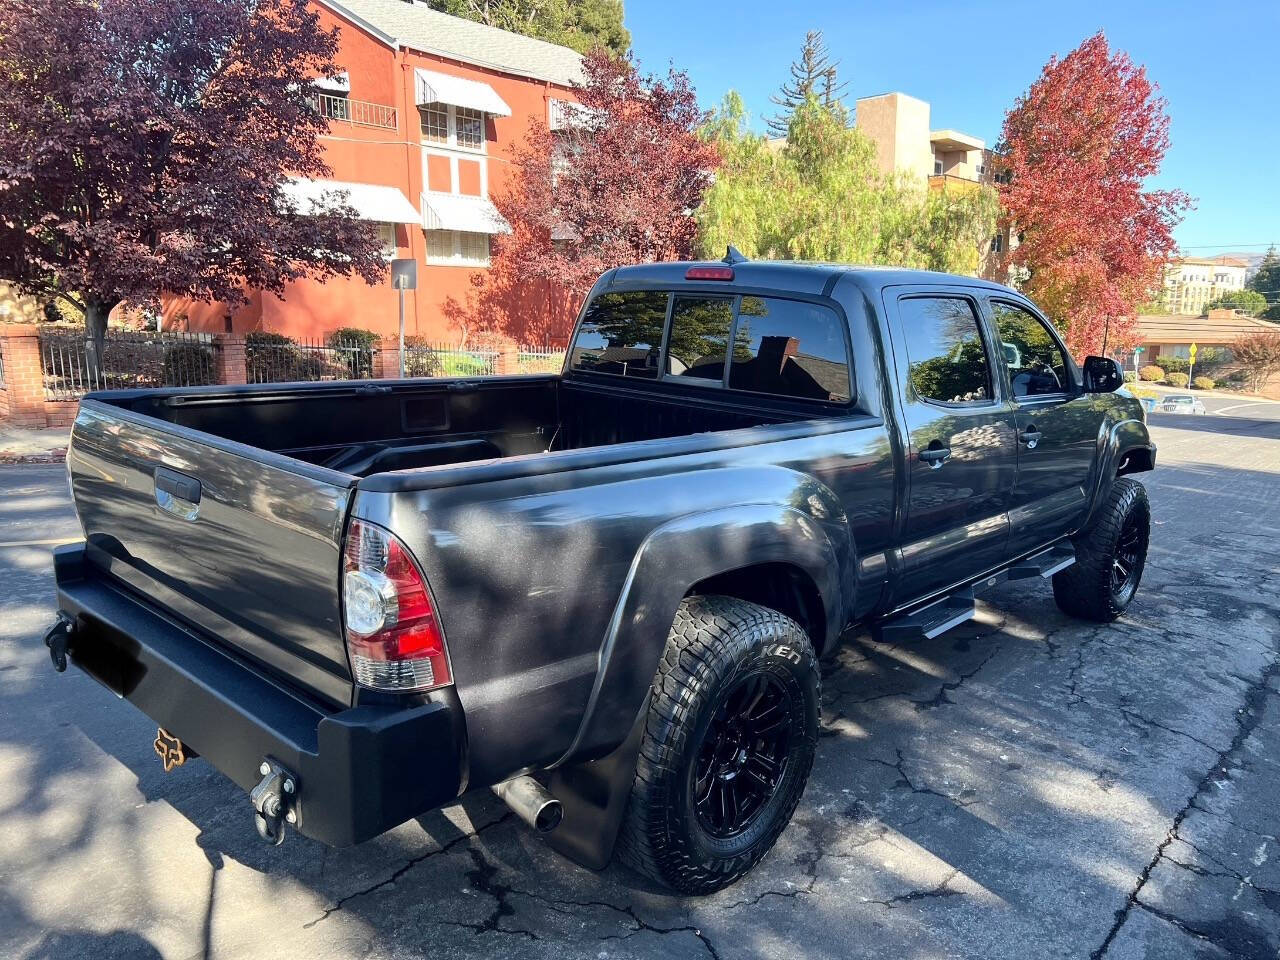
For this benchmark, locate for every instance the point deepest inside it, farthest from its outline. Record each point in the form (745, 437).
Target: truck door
(962, 451)
(1057, 427)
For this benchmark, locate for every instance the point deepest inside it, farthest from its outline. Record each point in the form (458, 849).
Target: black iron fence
(273, 358)
(129, 359)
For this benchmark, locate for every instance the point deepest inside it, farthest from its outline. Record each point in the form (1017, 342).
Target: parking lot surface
(1023, 786)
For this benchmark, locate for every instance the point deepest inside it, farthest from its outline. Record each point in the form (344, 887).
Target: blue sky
(1218, 66)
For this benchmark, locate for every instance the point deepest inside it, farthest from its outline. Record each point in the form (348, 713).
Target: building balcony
(949, 181)
(358, 113)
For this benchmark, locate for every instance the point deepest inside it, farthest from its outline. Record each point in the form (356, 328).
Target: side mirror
(1102, 375)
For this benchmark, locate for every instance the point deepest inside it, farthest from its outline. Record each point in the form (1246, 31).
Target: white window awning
(565, 115)
(340, 82)
(455, 211)
(371, 202)
(435, 87)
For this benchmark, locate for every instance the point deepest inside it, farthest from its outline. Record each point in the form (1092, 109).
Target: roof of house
(1222, 261)
(1221, 326)
(416, 26)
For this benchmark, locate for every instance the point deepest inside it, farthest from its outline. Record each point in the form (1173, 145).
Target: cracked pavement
(1023, 786)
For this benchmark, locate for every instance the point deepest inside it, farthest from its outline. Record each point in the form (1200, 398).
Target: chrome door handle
(1031, 436)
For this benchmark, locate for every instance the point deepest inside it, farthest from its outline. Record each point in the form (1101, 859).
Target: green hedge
(1203, 383)
(1177, 379)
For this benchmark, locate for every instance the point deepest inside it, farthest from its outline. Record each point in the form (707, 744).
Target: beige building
(900, 127)
(1191, 284)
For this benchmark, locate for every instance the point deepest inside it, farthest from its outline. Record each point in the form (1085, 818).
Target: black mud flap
(594, 796)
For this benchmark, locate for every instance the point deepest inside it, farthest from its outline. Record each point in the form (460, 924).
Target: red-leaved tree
(618, 184)
(143, 145)
(1080, 146)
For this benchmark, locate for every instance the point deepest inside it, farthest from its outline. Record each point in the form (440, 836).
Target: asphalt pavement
(1024, 786)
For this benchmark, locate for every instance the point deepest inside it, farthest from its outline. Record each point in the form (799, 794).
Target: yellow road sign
(1193, 351)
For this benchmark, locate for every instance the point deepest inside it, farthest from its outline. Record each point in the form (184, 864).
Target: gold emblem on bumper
(169, 749)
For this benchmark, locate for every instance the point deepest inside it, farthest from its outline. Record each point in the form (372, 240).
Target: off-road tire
(716, 643)
(1085, 588)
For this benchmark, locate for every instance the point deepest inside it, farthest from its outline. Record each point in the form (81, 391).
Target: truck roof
(797, 275)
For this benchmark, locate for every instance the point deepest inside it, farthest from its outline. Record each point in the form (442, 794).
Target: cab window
(1036, 364)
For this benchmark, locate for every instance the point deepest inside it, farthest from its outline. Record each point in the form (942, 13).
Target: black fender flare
(1124, 438)
(678, 554)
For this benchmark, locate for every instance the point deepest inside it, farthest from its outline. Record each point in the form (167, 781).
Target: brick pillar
(386, 358)
(23, 377)
(231, 367)
(508, 361)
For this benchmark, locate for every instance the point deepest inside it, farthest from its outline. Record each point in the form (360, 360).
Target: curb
(9, 458)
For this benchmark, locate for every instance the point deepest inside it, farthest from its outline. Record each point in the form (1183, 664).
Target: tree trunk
(95, 335)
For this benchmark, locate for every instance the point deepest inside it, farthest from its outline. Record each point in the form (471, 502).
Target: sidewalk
(24, 445)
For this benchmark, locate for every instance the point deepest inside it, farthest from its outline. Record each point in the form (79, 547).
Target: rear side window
(791, 349)
(947, 363)
(699, 337)
(621, 334)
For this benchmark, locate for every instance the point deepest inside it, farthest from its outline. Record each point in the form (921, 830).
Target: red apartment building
(423, 121)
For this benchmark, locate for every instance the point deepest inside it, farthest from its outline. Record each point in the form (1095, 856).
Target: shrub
(1130, 376)
(357, 350)
(420, 360)
(352, 337)
(1151, 373)
(1203, 383)
(189, 365)
(1177, 379)
(274, 358)
(1172, 364)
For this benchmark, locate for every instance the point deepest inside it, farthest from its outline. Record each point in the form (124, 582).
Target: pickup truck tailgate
(243, 544)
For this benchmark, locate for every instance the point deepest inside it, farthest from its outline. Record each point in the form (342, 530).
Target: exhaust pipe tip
(531, 802)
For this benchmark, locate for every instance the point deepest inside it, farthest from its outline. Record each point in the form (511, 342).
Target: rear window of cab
(754, 344)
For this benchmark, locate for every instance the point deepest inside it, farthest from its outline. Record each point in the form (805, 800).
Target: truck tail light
(393, 636)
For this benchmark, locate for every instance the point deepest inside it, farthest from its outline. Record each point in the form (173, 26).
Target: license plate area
(109, 657)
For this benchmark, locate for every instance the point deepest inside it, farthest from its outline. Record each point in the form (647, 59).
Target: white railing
(360, 113)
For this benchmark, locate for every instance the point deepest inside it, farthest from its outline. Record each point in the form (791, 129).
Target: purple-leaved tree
(143, 148)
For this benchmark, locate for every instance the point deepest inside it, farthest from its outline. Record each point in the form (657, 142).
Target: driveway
(1024, 786)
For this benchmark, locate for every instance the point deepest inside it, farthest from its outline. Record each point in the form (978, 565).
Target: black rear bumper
(360, 771)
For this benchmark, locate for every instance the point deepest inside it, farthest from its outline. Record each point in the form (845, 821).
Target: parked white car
(1181, 403)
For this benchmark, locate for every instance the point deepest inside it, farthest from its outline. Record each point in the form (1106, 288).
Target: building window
(937, 167)
(435, 122)
(997, 243)
(470, 127)
(459, 127)
(457, 248)
(387, 238)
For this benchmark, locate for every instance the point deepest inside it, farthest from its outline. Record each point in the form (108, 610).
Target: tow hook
(274, 800)
(58, 639)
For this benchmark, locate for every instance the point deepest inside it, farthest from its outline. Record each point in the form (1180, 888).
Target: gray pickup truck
(602, 594)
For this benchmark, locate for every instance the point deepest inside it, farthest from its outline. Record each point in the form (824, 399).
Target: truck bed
(363, 428)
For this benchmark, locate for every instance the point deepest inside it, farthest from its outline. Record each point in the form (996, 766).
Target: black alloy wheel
(1126, 561)
(743, 756)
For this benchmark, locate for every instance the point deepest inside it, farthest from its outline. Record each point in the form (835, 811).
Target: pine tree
(580, 24)
(1267, 282)
(813, 75)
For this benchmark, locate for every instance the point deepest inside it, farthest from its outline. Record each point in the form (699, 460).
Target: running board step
(927, 622)
(1045, 563)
